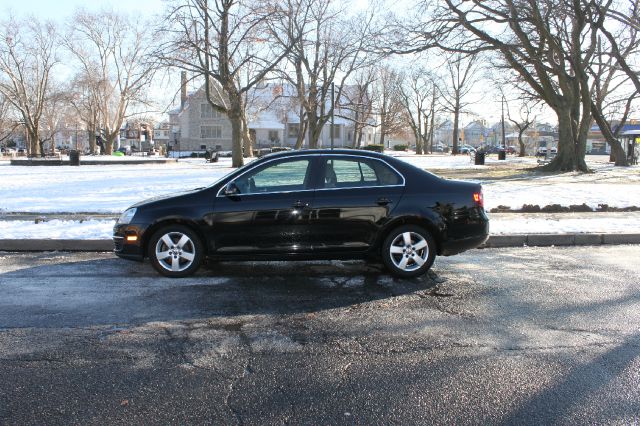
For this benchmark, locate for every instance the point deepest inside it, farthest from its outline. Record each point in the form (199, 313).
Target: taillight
(478, 199)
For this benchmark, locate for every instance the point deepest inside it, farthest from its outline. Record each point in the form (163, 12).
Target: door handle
(382, 201)
(300, 205)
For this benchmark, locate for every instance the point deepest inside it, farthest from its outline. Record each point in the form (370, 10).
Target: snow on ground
(111, 189)
(504, 224)
(100, 189)
(57, 229)
(513, 223)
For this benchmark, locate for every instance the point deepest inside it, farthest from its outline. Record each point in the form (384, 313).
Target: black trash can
(74, 157)
(502, 154)
(479, 160)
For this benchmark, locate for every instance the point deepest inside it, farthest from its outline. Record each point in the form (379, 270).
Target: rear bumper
(451, 247)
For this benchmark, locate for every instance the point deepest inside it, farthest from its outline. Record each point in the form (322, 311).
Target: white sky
(486, 105)
(59, 10)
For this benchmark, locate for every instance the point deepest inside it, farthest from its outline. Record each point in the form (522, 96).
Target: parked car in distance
(542, 151)
(511, 149)
(264, 151)
(466, 149)
(302, 205)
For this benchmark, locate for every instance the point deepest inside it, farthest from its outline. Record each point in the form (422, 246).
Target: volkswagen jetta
(303, 205)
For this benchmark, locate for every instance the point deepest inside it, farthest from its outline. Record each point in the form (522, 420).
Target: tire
(175, 251)
(408, 251)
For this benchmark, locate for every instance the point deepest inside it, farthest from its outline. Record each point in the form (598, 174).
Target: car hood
(160, 198)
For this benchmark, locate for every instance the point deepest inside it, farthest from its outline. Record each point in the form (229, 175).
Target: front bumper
(125, 245)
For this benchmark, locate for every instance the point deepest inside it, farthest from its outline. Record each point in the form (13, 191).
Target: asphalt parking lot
(494, 336)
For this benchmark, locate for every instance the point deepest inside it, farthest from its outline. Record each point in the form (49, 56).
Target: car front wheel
(175, 251)
(408, 251)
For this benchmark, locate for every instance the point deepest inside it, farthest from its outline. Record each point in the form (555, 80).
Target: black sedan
(303, 205)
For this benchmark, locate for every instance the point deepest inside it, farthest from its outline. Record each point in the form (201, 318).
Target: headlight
(126, 216)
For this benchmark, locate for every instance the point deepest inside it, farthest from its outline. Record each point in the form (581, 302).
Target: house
(273, 115)
(137, 134)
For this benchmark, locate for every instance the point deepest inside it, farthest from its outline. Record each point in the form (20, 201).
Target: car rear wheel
(408, 251)
(175, 251)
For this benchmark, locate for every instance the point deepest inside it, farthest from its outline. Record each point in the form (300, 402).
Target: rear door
(355, 197)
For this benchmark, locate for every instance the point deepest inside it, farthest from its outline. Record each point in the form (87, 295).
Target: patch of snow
(514, 223)
(57, 229)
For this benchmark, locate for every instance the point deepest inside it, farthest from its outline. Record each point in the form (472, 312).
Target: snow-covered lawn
(111, 189)
(502, 224)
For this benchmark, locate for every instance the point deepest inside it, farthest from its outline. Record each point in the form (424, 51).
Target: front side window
(284, 176)
(349, 173)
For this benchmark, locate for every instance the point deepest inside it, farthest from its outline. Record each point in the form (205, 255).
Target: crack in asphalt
(232, 383)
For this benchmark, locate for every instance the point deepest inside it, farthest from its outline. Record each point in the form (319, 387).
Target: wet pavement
(499, 336)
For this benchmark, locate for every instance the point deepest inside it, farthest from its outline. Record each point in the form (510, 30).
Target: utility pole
(333, 129)
(504, 143)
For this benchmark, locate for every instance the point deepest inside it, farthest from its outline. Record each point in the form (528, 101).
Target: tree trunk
(302, 129)
(521, 143)
(108, 144)
(246, 137)
(315, 131)
(567, 159)
(616, 146)
(235, 116)
(418, 134)
(432, 123)
(456, 118)
(91, 134)
(34, 144)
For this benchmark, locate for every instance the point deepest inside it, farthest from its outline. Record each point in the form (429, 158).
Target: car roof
(343, 151)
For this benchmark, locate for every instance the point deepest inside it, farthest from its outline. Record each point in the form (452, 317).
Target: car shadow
(113, 291)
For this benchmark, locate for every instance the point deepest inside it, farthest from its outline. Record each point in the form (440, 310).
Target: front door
(269, 215)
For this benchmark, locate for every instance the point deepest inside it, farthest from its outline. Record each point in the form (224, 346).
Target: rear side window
(351, 173)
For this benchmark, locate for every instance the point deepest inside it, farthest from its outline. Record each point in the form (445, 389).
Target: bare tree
(7, 120)
(523, 122)
(328, 47)
(27, 57)
(462, 75)
(218, 40)
(54, 113)
(610, 76)
(549, 44)
(115, 57)
(418, 95)
(356, 104)
(84, 96)
(388, 104)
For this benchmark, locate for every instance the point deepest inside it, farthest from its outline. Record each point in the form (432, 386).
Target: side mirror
(231, 189)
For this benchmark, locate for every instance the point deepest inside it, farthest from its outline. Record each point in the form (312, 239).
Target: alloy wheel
(409, 251)
(175, 251)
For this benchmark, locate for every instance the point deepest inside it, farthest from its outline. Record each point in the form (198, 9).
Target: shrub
(400, 147)
(376, 148)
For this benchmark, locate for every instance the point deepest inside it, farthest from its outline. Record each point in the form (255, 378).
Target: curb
(494, 241)
(548, 240)
(56, 245)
